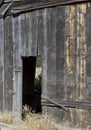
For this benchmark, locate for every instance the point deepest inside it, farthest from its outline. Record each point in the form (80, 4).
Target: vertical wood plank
(8, 64)
(34, 33)
(44, 59)
(82, 49)
(17, 66)
(1, 64)
(40, 33)
(60, 58)
(24, 34)
(30, 33)
(30, 39)
(17, 42)
(75, 58)
(70, 46)
(88, 66)
(51, 55)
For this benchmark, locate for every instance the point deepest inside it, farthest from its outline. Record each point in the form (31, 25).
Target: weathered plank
(25, 6)
(40, 33)
(34, 32)
(51, 55)
(17, 45)
(8, 64)
(60, 58)
(70, 50)
(29, 32)
(1, 64)
(23, 36)
(81, 49)
(76, 52)
(70, 46)
(88, 65)
(17, 66)
(44, 59)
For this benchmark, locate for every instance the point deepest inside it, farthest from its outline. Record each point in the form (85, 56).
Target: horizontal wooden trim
(66, 104)
(17, 69)
(15, 9)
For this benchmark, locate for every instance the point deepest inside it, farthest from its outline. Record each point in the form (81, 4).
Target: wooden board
(34, 33)
(44, 59)
(70, 53)
(29, 23)
(1, 64)
(8, 64)
(40, 33)
(60, 53)
(88, 65)
(51, 54)
(25, 6)
(17, 66)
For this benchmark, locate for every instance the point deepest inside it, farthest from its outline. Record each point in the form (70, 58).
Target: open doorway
(31, 92)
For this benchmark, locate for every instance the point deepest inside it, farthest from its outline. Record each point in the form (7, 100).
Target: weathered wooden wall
(27, 41)
(66, 66)
(61, 35)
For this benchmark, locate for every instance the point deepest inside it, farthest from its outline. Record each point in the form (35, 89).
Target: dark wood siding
(60, 53)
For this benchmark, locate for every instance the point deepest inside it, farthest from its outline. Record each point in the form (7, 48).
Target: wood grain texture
(61, 35)
(8, 64)
(44, 59)
(88, 65)
(82, 50)
(51, 55)
(60, 55)
(34, 33)
(70, 52)
(17, 66)
(1, 64)
(25, 6)
(52, 52)
(40, 33)
(76, 52)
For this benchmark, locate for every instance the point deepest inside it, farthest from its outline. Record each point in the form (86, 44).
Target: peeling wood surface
(76, 52)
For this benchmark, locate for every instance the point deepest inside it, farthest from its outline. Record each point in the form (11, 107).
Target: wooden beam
(21, 7)
(66, 104)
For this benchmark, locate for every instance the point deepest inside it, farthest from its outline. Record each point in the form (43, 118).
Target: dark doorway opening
(31, 95)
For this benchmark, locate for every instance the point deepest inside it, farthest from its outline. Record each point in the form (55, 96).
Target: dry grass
(31, 121)
(6, 117)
